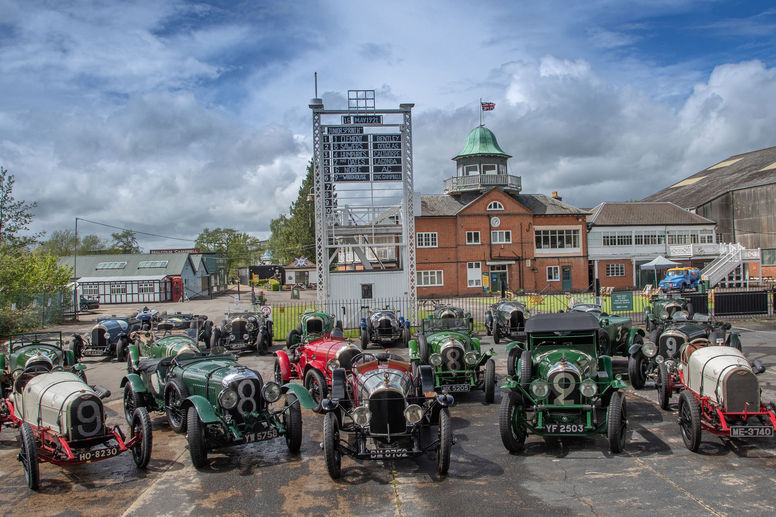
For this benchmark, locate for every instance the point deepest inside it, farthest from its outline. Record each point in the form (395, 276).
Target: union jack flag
(488, 106)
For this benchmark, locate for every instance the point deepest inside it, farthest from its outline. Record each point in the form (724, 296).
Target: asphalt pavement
(656, 475)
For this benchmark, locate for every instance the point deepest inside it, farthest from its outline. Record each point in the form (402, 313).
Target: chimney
(556, 196)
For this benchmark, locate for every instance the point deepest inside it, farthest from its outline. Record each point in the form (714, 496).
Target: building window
(489, 168)
(679, 237)
(707, 237)
(118, 288)
(471, 170)
(152, 263)
(495, 205)
(427, 240)
(501, 237)
(557, 239)
(430, 278)
(615, 270)
(474, 274)
(617, 239)
(111, 265)
(649, 238)
(92, 290)
(145, 287)
(472, 237)
(553, 273)
(768, 257)
(502, 169)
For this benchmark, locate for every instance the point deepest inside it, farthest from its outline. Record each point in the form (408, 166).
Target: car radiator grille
(387, 408)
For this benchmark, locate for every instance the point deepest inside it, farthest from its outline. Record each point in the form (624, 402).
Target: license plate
(90, 352)
(564, 428)
(261, 435)
(456, 387)
(380, 454)
(751, 431)
(98, 454)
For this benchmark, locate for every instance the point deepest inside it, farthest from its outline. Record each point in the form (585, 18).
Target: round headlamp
(649, 349)
(228, 327)
(228, 398)
(245, 337)
(471, 357)
(333, 364)
(271, 391)
(361, 415)
(435, 360)
(232, 337)
(659, 359)
(588, 388)
(249, 325)
(413, 413)
(540, 388)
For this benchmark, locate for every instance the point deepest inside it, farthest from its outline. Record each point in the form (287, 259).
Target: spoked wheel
(445, 441)
(490, 381)
(663, 386)
(511, 421)
(496, 335)
(29, 457)
(512, 357)
(315, 383)
(637, 369)
(277, 372)
(132, 401)
(526, 367)
(617, 422)
(121, 349)
(690, 420)
(292, 421)
(174, 396)
(196, 438)
(331, 445)
(141, 424)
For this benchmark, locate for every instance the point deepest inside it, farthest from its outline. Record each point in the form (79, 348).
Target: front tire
(141, 423)
(121, 349)
(490, 381)
(174, 395)
(617, 422)
(292, 421)
(29, 457)
(512, 358)
(663, 386)
(132, 401)
(637, 370)
(445, 441)
(690, 420)
(423, 348)
(513, 430)
(331, 445)
(278, 372)
(293, 339)
(496, 335)
(196, 438)
(525, 368)
(315, 383)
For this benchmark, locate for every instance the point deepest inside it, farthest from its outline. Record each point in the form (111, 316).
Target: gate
(749, 302)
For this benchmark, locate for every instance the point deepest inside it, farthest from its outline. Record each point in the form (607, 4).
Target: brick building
(484, 230)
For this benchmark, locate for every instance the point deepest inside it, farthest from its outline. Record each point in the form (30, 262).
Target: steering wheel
(363, 357)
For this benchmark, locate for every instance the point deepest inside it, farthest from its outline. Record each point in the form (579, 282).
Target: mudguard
(338, 380)
(445, 400)
(734, 339)
(285, 365)
(134, 354)
(605, 364)
(476, 343)
(635, 331)
(78, 367)
(413, 346)
(514, 344)
(426, 378)
(204, 408)
(135, 381)
(363, 323)
(635, 347)
(304, 397)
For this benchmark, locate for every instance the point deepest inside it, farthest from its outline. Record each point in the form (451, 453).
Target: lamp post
(75, 274)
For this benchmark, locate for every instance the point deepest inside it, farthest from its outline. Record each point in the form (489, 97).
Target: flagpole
(480, 110)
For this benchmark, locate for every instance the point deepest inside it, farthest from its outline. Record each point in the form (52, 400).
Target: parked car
(180, 320)
(108, 337)
(159, 343)
(505, 319)
(562, 387)
(722, 395)
(680, 278)
(384, 327)
(457, 361)
(313, 325)
(617, 334)
(26, 349)
(314, 360)
(665, 344)
(87, 303)
(381, 411)
(243, 329)
(62, 421)
(147, 318)
(662, 308)
(219, 401)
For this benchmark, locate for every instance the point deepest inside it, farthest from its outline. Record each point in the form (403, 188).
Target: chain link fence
(20, 312)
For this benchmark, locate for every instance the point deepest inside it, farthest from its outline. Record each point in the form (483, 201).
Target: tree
(294, 236)
(15, 216)
(25, 273)
(240, 249)
(124, 242)
(61, 243)
(91, 245)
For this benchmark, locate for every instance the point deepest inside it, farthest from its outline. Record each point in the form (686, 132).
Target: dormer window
(495, 205)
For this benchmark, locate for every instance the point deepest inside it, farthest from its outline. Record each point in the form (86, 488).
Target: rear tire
(637, 370)
(292, 421)
(496, 335)
(663, 386)
(315, 383)
(121, 349)
(490, 381)
(196, 438)
(690, 420)
(617, 422)
(445, 442)
(331, 445)
(364, 339)
(29, 457)
(512, 358)
(174, 395)
(215, 339)
(141, 423)
(423, 348)
(513, 439)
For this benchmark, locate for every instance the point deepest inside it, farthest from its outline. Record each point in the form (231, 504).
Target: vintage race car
(62, 421)
(109, 337)
(384, 327)
(665, 344)
(562, 386)
(147, 318)
(220, 402)
(380, 412)
(180, 320)
(24, 349)
(458, 363)
(243, 330)
(617, 334)
(313, 325)
(159, 343)
(721, 395)
(505, 319)
(662, 309)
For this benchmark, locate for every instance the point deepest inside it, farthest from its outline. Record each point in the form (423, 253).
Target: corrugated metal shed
(88, 265)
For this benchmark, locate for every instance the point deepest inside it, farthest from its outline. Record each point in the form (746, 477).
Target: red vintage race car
(721, 395)
(313, 360)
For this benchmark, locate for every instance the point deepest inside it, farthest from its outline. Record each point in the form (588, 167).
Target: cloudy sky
(170, 116)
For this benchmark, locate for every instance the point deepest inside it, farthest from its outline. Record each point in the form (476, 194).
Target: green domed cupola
(481, 141)
(481, 165)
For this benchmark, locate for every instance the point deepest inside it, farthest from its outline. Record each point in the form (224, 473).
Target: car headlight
(228, 398)
(361, 415)
(249, 326)
(588, 388)
(649, 349)
(245, 337)
(413, 413)
(271, 391)
(471, 357)
(659, 359)
(435, 360)
(333, 364)
(540, 388)
(232, 337)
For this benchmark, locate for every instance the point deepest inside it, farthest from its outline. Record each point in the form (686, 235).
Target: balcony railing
(458, 184)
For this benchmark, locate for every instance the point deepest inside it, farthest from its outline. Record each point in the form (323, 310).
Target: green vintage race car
(459, 364)
(220, 402)
(30, 347)
(663, 308)
(147, 343)
(562, 387)
(314, 325)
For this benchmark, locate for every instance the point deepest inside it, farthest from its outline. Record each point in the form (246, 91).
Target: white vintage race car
(62, 421)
